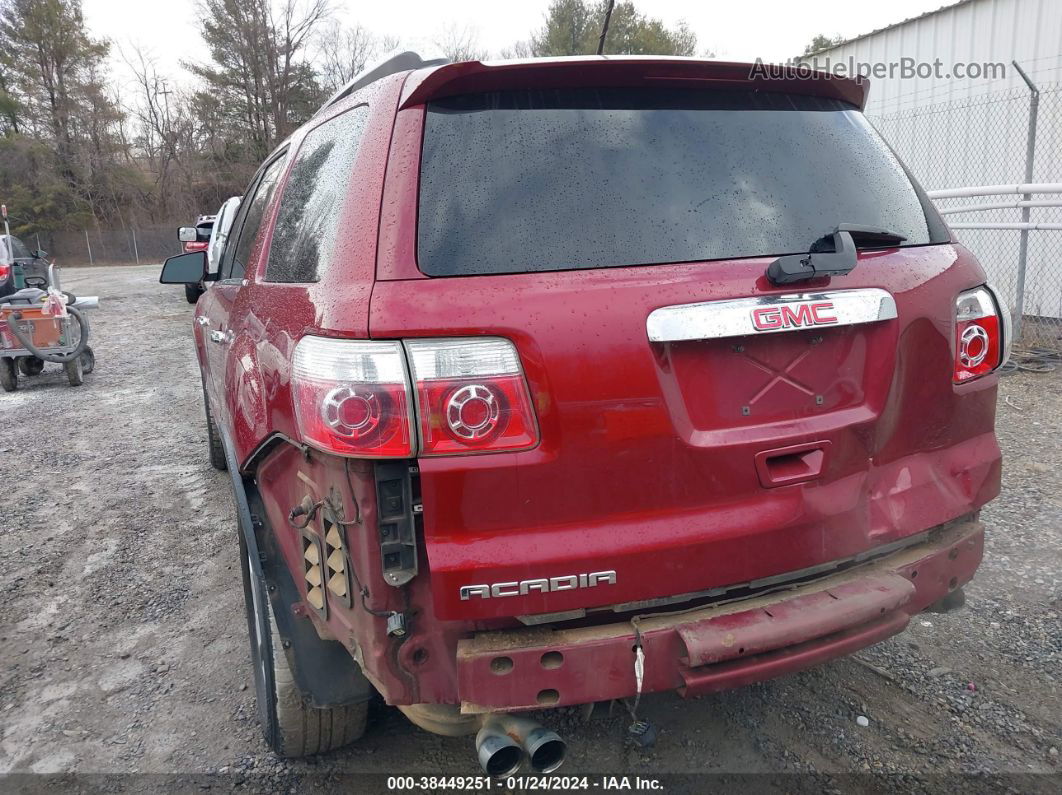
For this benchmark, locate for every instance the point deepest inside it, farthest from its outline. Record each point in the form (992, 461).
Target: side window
(250, 219)
(310, 207)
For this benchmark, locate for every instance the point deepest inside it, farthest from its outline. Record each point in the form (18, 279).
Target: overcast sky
(770, 29)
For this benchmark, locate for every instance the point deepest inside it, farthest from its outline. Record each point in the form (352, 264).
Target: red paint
(653, 460)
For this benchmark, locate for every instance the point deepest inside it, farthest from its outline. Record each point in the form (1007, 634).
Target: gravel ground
(123, 646)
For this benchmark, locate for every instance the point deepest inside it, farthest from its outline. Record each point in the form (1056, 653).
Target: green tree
(569, 30)
(820, 42)
(573, 27)
(37, 197)
(54, 92)
(260, 82)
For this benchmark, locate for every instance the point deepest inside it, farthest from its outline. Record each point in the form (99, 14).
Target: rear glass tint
(518, 181)
(308, 216)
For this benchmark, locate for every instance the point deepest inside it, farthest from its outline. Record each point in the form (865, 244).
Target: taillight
(471, 396)
(352, 397)
(980, 343)
(5, 272)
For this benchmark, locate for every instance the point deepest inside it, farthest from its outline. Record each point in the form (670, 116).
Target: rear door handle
(788, 465)
(220, 337)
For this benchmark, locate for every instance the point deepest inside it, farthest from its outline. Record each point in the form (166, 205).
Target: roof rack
(390, 64)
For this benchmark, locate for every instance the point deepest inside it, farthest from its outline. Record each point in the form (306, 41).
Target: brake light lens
(980, 320)
(5, 272)
(471, 396)
(352, 397)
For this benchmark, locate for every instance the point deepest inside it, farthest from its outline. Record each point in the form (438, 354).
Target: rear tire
(88, 360)
(217, 450)
(30, 366)
(291, 727)
(192, 293)
(8, 375)
(74, 374)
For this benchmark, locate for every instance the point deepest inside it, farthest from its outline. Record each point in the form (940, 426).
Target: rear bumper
(718, 647)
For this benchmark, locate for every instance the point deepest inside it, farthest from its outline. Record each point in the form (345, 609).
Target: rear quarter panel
(268, 318)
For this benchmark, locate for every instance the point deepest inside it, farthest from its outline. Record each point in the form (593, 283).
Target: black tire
(30, 366)
(291, 727)
(8, 375)
(217, 451)
(74, 373)
(192, 292)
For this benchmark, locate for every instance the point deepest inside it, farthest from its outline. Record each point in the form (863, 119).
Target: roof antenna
(604, 28)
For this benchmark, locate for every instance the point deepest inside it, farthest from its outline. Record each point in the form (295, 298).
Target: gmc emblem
(771, 318)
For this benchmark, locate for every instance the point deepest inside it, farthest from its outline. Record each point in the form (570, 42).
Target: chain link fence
(984, 140)
(122, 246)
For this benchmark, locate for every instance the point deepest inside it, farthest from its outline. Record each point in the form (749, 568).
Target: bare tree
(460, 44)
(520, 49)
(345, 52)
(165, 137)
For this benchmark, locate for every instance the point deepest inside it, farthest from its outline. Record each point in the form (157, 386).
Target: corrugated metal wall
(975, 31)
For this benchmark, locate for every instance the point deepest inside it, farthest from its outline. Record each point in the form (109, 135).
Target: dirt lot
(123, 645)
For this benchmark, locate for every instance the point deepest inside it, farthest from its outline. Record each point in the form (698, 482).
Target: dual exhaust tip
(505, 740)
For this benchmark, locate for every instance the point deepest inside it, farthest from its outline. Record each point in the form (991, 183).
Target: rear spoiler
(596, 71)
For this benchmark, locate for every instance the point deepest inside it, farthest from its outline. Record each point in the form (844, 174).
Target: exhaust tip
(546, 751)
(499, 756)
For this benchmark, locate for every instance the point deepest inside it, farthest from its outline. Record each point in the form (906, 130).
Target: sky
(773, 30)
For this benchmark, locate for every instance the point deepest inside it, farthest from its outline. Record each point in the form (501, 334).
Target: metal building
(965, 36)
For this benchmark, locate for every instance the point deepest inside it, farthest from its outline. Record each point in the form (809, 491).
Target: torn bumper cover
(720, 646)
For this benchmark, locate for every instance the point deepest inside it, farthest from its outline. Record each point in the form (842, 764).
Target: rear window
(518, 181)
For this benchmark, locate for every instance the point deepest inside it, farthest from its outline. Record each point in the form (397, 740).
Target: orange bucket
(46, 330)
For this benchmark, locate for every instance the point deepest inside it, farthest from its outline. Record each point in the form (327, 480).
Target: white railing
(997, 190)
(1006, 225)
(1025, 204)
(1023, 188)
(1002, 206)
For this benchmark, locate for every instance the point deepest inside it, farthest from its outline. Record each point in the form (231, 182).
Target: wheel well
(323, 669)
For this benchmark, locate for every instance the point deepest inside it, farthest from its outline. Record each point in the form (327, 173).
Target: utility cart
(37, 326)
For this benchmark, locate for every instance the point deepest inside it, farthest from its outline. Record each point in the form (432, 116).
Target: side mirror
(187, 234)
(39, 254)
(184, 269)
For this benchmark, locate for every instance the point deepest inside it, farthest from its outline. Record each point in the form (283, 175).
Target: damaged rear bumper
(720, 646)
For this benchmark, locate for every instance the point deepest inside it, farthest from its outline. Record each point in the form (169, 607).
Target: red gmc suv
(551, 382)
